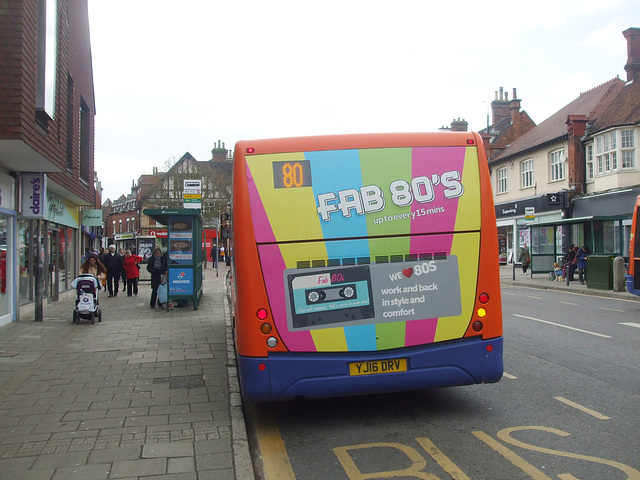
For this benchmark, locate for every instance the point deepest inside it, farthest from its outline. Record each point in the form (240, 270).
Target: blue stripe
(361, 338)
(333, 171)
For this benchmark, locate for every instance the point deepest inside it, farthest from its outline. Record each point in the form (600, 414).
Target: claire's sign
(33, 195)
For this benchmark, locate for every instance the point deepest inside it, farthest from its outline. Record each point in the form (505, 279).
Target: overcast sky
(173, 77)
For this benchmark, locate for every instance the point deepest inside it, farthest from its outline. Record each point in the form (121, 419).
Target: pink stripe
(420, 332)
(272, 268)
(428, 162)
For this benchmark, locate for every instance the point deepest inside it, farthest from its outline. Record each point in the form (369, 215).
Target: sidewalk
(146, 393)
(541, 280)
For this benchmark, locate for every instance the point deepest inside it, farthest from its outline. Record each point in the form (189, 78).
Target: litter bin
(600, 272)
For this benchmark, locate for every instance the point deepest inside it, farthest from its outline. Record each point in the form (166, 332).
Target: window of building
(627, 149)
(526, 169)
(606, 153)
(84, 137)
(589, 158)
(47, 56)
(502, 180)
(556, 164)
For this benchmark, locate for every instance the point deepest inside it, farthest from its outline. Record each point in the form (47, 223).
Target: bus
(633, 271)
(363, 263)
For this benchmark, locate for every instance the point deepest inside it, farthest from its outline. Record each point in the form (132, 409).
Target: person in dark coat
(113, 263)
(157, 267)
(582, 256)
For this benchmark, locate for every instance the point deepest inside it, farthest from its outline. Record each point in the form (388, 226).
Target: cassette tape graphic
(328, 296)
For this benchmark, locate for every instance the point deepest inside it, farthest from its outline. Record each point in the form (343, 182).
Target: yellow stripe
(329, 339)
(275, 459)
(593, 413)
(514, 458)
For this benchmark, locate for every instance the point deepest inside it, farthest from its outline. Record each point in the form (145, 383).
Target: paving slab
(143, 393)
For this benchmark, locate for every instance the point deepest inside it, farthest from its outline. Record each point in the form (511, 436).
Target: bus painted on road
(364, 264)
(633, 271)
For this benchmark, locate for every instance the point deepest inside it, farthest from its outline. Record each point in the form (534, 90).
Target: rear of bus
(364, 264)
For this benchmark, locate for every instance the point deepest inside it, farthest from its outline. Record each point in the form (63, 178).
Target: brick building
(573, 178)
(47, 176)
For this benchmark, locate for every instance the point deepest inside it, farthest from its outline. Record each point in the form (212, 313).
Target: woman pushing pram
(87, 285)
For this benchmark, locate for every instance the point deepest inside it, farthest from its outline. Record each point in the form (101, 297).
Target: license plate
(378, 366)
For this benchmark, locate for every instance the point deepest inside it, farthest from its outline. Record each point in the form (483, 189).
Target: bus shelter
(184, 253)
(550, 240)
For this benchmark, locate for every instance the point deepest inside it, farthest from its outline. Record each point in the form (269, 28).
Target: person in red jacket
(131, 265)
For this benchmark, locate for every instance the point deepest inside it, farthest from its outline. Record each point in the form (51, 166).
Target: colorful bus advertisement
(370, 254)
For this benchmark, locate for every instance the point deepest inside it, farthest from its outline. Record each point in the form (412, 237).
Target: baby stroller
(87, 305)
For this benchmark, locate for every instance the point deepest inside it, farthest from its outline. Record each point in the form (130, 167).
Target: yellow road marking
(613, 309)
(593, 413)
(444, 461)
(514, 458)
(274, 455)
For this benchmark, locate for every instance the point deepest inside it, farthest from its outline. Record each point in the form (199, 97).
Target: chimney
(499, 107)
(516, 118)
(576, 169)
(633, 52)
(459, 125)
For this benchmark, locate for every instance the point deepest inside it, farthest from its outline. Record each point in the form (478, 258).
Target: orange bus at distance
(363, 264)
(633, 273)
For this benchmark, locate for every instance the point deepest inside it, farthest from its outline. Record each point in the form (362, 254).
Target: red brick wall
(18, 78)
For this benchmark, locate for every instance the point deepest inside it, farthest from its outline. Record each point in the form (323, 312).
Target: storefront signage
(92, 218)
(158, 233)
(33, 195)
(62, 211)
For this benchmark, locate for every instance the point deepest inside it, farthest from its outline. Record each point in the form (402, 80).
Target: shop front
(47, 251)
(514, 221)
(7, 249)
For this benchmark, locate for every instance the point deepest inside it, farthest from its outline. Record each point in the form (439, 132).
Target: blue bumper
(285, 376)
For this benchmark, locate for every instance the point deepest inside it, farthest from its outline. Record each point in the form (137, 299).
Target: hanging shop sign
(92, 218)
(33, 195)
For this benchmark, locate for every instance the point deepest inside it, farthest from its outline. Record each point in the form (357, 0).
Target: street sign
(529, 214)
(192, 193)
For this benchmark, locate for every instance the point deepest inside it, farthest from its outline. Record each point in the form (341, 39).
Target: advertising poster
(181, 241)
(145, 248)
(180, 281)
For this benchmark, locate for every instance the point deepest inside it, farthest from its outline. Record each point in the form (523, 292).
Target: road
(567, 408)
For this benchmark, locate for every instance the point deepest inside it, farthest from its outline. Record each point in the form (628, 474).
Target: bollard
(619, 275)
(39, 291)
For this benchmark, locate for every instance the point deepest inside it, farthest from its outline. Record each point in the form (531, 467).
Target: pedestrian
(101, 260)
(582, 256)
(93, 266)
(131, 264)
(157, 267)
(113, 264)
(570, 263)
(124, 275)
(524, 258)
(214, 255)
